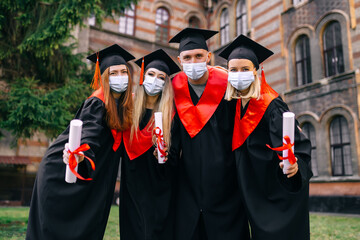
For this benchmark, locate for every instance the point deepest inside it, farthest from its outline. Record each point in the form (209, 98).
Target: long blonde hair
(164, 104)
(254, 91)
(120, 117)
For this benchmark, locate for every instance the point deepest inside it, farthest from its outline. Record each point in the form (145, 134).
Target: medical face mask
(118, 84)
(241, 80)
(153, 85)
(194, 71)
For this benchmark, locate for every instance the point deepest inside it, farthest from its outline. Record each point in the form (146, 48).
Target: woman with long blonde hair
(80, 210)
(145, 191)
(276, 203)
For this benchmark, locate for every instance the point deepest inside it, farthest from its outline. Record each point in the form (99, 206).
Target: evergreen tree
(42, 82)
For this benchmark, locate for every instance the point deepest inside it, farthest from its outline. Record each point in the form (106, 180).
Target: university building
(315, 68)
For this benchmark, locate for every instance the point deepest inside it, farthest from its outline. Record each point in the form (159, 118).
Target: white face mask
(153, 85)
(118, 84)
(194, 71)
(241, 80)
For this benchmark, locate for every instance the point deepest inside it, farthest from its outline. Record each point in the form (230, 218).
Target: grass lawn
(13, 222)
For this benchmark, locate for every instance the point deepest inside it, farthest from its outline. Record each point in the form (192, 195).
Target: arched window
(333, 50)
(340, 147)
(194, 22)
(162, 20)
(309, 131)
(302, 60)
(127, 21)
(241, 19)
(224, 26)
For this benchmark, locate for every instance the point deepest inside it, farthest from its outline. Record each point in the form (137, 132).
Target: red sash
(243, 127)
(141, 143)
(117, 135)
(195, 117)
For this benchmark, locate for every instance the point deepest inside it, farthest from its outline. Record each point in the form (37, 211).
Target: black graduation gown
(206, 183)
(80, 210)
(277, 206)
(146, 210)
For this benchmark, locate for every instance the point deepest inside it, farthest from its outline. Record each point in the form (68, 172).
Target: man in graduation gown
(208, 204)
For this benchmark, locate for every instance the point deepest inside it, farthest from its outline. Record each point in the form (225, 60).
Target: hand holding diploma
(289, 163)
(158, 131)
(73, 154)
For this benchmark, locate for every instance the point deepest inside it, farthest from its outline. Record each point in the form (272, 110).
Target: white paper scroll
(74, 143)
(158, 123)
(288, 130)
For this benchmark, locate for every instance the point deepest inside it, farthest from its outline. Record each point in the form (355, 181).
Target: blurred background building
(315, 68)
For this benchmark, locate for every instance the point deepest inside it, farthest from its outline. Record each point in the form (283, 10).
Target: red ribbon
(287, 146)
(160, 141)
(73, 163)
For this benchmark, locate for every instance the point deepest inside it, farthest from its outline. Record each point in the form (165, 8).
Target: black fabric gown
(146, 210)
(207, 196)
(277, 206)
(80, 210)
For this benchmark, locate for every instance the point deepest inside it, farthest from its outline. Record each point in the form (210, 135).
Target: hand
(66, 155)
(292, 170)
(156, 153)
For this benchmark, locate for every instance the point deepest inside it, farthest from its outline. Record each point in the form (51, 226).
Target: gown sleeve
(175, 148)
(302, 147)
(92, 115)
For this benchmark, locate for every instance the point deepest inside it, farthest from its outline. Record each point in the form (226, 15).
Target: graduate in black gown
(208, 204)
(276, 203)
(146, 210)
(80, 210)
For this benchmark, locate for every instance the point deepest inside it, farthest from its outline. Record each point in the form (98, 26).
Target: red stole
(117, 135)
(141, 143)
(193, 117)
(243, 127)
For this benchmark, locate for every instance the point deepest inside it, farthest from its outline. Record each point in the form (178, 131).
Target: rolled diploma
(74, 143)
(288, 130)
(158, 123)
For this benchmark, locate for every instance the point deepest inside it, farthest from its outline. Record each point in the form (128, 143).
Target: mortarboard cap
(192, 38)
(110, 56)
(160, 60)
(245, 48)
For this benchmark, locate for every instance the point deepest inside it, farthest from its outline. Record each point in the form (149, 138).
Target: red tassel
(142, 73)
(96, 82)
(262, 75)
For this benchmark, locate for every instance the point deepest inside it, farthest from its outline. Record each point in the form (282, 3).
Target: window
(302, 58)
(241, 20)
(340, 147)
(224, 26)
(194, 22)
(309, 131)
(162, 25)
(127, 21)
(333, 52)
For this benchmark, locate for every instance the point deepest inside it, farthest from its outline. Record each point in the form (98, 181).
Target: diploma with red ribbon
(75, 149)
(288, 141)
(158, 132)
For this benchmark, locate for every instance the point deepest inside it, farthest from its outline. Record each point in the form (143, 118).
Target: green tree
(44, 81)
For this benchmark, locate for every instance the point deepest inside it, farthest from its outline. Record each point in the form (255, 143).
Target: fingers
(292, 170)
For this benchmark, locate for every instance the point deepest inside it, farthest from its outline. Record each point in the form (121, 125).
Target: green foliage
(32, 109)
(46, 81)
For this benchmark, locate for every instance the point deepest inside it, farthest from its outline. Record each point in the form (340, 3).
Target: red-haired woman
(80, 210)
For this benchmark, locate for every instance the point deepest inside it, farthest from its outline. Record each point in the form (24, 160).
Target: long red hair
(121, 118)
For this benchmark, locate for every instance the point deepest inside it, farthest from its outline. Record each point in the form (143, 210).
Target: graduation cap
(192, 38)
(245, 48)
(158, 59)
(110, 56)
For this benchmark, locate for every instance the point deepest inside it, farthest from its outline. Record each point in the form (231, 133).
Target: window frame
(126, 16)
(304, 60)
(224, 28)
(162, 26)
(242, 17)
